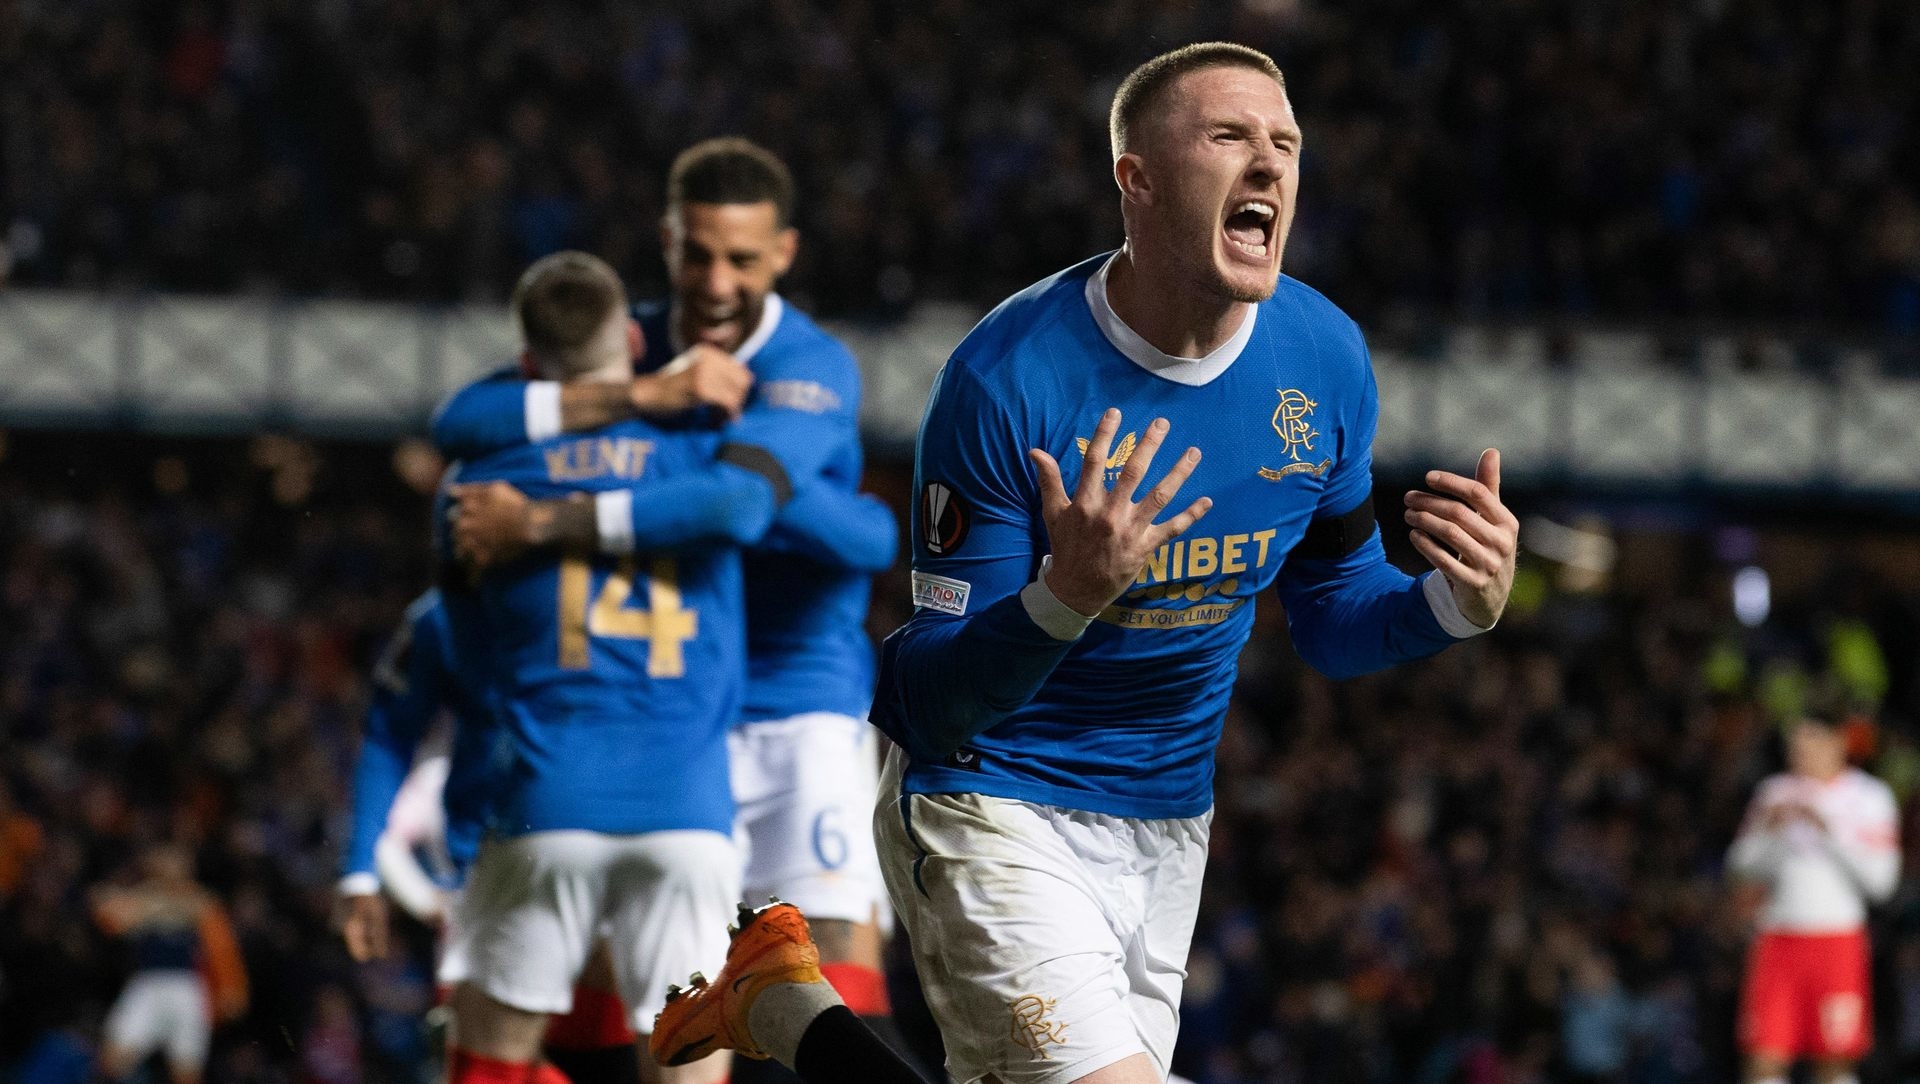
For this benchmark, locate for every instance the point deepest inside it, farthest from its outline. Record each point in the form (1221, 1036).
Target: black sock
(889, 1033)
(598, 1065)
(749, 1071)
(753, 1071)
(838, 1049)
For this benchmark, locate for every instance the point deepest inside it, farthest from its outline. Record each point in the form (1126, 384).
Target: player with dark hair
(803, 760)
(1823, 839)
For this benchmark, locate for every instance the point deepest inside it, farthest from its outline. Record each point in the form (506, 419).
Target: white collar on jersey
(1191, 371)
(770, 314)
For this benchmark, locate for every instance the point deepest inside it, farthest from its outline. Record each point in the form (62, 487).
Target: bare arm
(590, 406)
(493, 523)
(504, 411)
(724, 503)
(703, 376)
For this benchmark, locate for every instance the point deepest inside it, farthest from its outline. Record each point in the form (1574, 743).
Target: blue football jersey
(807, 647)
(808, 576)
(1126, 724)
(615, 677)
(414, 682)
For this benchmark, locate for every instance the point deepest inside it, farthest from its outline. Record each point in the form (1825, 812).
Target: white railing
(1612, 412)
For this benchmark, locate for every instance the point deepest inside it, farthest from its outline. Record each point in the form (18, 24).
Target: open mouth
(725, 335)
(715, 326)
(715, 314)
(1249, 227)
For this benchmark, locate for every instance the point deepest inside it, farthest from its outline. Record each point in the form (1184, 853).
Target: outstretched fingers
(1141, 459)
(1160, 496)
(1166, 532)
(1093, 466)
(1053, 489)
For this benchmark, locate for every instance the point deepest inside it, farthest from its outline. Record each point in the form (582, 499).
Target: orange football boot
(770, 944)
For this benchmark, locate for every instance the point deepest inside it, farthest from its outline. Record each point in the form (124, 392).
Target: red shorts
(1807, 996)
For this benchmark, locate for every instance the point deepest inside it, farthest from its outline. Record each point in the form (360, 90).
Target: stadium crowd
(1705, 158)
(1500, 866)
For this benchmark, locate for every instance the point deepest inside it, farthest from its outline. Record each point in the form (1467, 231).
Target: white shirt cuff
(1061, 621)
(543, 410)
(359, 884)
(613, 516)
(1446, 609)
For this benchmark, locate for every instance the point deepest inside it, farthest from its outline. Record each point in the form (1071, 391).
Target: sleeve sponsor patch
(944, 518)
(942, 594)
(803, 395)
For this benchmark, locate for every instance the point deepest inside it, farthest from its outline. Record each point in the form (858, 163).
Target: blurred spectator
(187, 972)
(21, 840)
(1596, 1023)
(182, 659)
(1715, 158)
(330, 1049)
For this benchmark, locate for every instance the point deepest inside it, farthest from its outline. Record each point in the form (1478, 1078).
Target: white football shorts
(1050, 942)
(804, 788)
(534, 905)
(163, 1011)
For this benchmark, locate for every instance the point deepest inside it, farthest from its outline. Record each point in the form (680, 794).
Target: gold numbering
(665, 625)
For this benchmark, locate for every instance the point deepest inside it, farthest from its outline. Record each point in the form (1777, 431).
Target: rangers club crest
(1293, 421)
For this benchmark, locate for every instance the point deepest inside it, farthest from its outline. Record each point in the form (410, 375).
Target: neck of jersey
(1191, 371)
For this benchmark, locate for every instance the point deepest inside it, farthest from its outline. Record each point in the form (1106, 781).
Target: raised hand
(1101, 538)
(492, 523)
(702, 376)
(1464, 530)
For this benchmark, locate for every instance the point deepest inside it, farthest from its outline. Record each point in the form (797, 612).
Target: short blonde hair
(1142, 89)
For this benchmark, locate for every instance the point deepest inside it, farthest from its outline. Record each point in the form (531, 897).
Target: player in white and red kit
(1823, 839)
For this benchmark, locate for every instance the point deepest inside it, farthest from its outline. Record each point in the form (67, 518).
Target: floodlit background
(1664, 253)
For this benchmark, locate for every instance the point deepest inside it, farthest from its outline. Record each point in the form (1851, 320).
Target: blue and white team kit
(1043, 822)
(800, 770)
(607, 674)
(803, 758)
(420, 811)
(414, 685)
